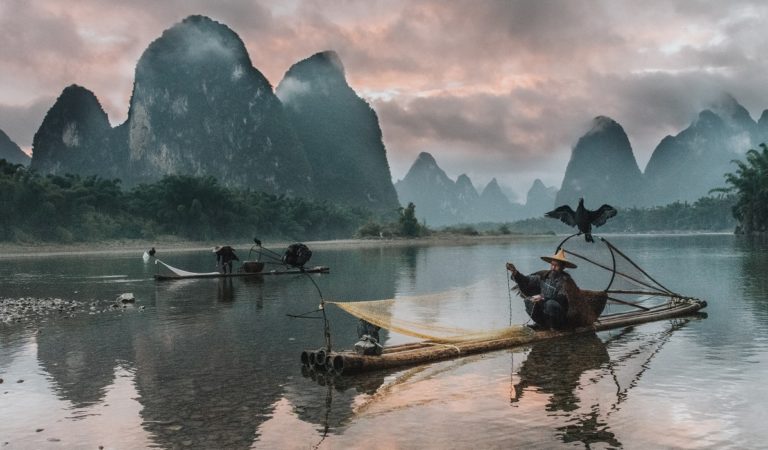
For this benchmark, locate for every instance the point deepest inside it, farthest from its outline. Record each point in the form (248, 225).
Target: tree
(750, 185)
(409, 225)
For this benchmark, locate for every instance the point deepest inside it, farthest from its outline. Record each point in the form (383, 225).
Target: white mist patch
(180, 106)
(600, 124)
(202, 46)
(70, 137)
(740, 143)
(291, 88)
(237, 72)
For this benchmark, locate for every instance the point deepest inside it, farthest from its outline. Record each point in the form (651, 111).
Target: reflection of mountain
(210, 380)
(328, 400)
(210, 398)
(81, 357)
(212, 358)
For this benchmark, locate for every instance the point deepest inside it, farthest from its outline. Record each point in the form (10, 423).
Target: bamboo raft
(316, 269)
(348, 362)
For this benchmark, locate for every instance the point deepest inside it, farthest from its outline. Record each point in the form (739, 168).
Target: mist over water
(215, 363)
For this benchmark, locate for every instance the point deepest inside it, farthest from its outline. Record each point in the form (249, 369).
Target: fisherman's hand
(511, 267)
(537, 298)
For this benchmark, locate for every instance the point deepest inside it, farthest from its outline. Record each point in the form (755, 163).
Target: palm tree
(750, 185)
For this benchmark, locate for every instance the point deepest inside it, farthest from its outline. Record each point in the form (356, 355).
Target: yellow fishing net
(415, 316)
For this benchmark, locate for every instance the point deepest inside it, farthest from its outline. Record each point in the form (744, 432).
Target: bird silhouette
(582, 218)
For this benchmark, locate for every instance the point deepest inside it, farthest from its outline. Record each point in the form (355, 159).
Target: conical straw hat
(559, 256)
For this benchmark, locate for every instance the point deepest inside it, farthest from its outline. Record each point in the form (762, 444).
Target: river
(212, 363)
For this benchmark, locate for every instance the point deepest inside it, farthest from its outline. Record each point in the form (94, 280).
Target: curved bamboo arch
(610, 249)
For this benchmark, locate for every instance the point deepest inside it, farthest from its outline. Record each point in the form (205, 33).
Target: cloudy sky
(491, 88)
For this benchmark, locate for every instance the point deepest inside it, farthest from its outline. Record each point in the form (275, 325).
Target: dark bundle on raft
(424, 352)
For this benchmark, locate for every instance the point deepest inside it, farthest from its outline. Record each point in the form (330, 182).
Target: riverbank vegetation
(708, 214)
(749, 185)
(70, 208)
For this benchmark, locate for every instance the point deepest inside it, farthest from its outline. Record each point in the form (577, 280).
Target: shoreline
(171, 243)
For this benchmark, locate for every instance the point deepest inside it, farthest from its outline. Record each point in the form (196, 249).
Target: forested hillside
(70, 208)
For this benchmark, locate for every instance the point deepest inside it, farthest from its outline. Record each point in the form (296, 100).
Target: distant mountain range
(200, 108)
(684, 167)
(441, 201)
(602, 169)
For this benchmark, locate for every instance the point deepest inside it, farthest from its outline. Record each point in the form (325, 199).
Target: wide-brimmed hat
(560, 257)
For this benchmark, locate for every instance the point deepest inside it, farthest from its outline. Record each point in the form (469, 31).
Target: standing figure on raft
(224, 257)
(546, 299)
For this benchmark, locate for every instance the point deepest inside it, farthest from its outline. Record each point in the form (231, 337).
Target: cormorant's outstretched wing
(601, 215)
(564, 213)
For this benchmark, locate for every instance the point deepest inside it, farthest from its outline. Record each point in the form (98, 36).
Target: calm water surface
(215, 363)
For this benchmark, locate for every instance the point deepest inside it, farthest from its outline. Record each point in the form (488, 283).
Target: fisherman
(545, 298)
(224, 257)
(149, 254)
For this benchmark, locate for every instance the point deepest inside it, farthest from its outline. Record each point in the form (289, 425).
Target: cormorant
(582, 218)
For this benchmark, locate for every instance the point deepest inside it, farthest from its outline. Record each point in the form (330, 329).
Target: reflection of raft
(248, 269)
(425, 352)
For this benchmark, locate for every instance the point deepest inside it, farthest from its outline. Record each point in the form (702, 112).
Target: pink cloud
(500, 88)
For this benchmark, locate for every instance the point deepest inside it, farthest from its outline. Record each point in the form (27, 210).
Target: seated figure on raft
(546, 292)
(368, 335)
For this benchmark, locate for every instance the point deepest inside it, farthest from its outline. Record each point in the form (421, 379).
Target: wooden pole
(628, 303)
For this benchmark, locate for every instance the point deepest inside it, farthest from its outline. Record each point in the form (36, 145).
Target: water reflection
(555, 366)
(216, 364)
(80, 360)
(568, 369)
(226, 292)
(754, 267)
(210, 358)
(329, 401)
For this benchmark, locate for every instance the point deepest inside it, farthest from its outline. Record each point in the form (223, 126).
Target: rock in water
(126, 298)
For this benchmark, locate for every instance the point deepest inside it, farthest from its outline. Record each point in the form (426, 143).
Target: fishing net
(169, 270)
(435, 317)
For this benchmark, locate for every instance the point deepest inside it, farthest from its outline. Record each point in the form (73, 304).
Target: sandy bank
(15, 250)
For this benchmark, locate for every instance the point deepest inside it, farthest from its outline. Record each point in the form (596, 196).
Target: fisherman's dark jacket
(549, 284)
